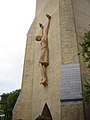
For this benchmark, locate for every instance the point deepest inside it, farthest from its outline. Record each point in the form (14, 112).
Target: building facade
(65, 72)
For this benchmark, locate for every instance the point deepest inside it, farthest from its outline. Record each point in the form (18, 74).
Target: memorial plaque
(71, 82)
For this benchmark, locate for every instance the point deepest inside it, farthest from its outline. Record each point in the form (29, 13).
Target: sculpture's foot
(44, 82)
(48, 16)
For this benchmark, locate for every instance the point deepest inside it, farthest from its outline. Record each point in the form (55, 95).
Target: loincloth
(44, 57)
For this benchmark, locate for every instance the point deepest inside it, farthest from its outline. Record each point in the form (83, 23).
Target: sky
(16, 17)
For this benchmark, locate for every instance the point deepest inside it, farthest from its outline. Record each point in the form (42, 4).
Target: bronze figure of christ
(44, 57)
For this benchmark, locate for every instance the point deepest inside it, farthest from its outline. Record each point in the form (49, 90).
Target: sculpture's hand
(40, 25)
(48, 16)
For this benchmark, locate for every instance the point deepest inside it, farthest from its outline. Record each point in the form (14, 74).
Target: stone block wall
(72, 111)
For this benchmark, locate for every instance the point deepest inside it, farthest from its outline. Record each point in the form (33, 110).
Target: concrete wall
(33, 95)
(71, 80)
(68, 33)
(45, 6)
(72, 111)
(23, 107)
(81, 10)
(50, 94)
(69, 21)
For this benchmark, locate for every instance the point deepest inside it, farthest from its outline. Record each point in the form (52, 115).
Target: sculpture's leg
(43, 73)
(44, 69)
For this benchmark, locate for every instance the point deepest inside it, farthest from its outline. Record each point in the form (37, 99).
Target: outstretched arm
(47, 29)
(41, 26)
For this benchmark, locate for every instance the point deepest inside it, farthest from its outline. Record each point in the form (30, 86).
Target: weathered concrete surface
(70, 19)
(33, 95)
(23, 107)
(81, 10)
(50, 94)
(69, 56)
(72, 111)
(69, 47)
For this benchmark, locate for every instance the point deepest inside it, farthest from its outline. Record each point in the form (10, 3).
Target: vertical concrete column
(51, 93)
(23, 107)
(71, 78)
(68, 33)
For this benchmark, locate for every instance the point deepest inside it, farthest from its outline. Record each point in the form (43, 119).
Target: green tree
(8, 101)
(4, 98)
(85, 52)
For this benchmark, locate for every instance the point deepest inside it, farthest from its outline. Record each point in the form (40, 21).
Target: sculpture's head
(38, 38)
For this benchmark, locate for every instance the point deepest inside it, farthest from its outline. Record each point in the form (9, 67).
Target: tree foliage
(85, 52)
(8, 101)
(86, 92)
(85, 44)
